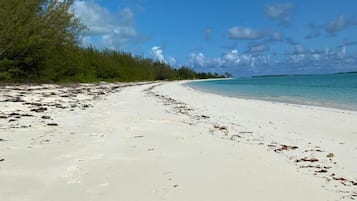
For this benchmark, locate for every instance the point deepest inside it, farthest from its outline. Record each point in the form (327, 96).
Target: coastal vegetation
(40, 41)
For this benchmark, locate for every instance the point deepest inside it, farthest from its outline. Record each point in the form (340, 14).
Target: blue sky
(240, 37)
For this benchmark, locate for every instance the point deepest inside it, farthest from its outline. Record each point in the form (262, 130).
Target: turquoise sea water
(336, 91)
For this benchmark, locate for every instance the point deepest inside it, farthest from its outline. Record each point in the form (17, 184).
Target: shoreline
(153, 141)
(317, 105)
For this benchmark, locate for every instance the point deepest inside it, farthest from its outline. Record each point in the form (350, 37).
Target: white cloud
(246, 58)
(276, 36)
(158, 54)
(337, 25)
(348, 43)
(304, 56)
(297, 58)
(299, 49)
(334, 55)
(95, 17)
(171, 61)
(114, 31)
(257, 47)
(279, 11)
(232, 57)
(316, 56)
(218, 62)
(198, 59)
(246, 33)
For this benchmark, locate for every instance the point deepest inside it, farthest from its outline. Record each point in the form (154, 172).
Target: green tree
(186, 73)
(40, 42)
(34, 35)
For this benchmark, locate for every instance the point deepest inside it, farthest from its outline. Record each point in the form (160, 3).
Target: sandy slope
(138, 146)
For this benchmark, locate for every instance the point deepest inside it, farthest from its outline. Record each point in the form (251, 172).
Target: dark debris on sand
(284, 147)
(37, 100)
(308, 162)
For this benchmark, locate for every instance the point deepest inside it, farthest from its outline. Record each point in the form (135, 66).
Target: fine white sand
(164, 141)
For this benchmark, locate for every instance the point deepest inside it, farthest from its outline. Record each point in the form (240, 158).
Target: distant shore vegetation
(40, 41)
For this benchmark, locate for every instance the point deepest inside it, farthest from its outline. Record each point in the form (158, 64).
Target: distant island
(352, 72)
(286, 75)
(258, 76)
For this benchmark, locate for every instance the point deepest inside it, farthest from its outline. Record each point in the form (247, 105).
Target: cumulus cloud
(257, 48)
(232, 57)
(171, 61)
(331, 28)
(348, 43)
(302, 55)
(95, 17)
(299, 49)
(327, 58)
(280, 12)
(299, 60)
(198, 59)
(158, 54)
(228, 61)
(337, 25)
(275, 37)
(106, 29)
(339, 54)
(246, 33)
(316, 56)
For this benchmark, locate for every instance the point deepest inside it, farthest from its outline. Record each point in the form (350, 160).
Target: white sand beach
(165, 141)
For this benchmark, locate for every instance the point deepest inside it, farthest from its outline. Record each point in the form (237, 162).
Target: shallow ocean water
(335, 90)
